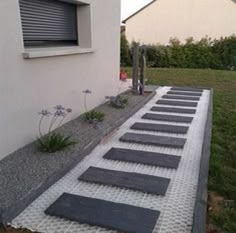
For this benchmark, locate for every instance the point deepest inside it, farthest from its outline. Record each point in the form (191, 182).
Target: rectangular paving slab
(186, 89)
(153, 140)
(115, 216)
(184, 93)
(160, 128)
(177, 103)
(143, 157)
(169, 118)
(130, 180)
(175, 110)
(179, 97)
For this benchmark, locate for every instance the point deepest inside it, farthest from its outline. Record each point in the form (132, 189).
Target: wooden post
(135, 73)
(142, 71)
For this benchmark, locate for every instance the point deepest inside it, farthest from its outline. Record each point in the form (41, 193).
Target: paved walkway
(114, 187)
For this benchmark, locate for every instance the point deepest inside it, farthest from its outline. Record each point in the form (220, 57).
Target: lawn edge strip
(200, 208)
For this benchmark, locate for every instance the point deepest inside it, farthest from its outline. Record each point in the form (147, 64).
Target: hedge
(206, 53)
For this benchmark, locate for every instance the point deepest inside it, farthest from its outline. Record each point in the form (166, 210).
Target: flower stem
(85, 102)
(54, 118)
(40, 123)
(60, 122)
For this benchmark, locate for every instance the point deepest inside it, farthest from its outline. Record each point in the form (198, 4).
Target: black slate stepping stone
(177, 103)
(143, 157)
(169, 118)
(130, 180)
(153, 140)
(160, 128)
(176, 110)
(115, 216)
(180, 97)
(184, 93)
(186, 89)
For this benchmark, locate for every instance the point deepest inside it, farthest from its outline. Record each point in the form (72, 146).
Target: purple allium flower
(59, 108)
(69, 110)
(45, 112)
(59, 113)
(87, 91)
(110, 97)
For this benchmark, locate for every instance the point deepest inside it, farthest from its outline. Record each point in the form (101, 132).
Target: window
(48, 23)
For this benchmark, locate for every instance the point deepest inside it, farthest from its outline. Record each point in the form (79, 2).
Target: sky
(128, 7)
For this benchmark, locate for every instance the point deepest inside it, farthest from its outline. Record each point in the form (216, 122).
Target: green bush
(157, 56)
(118, 101)
(125, 58)
(206, 53)
(54, 142)
(93, 116)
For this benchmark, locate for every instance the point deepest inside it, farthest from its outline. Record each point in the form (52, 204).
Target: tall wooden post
(142, 71)
(135, 73)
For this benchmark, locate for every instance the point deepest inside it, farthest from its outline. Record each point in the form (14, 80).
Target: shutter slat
(48, 20)
(46, 12)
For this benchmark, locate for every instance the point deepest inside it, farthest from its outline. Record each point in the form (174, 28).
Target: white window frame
(84, 24)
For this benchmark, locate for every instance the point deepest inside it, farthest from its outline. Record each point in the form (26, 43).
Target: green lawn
(222, 175)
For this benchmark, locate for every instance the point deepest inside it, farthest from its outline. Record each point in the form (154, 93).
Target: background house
(160, 20)
(50, 52)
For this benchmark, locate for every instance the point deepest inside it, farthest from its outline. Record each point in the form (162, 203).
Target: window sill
(56, 51)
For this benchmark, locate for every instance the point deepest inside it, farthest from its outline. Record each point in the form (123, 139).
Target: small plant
(52, 142)
(92, 117)
(118, 101)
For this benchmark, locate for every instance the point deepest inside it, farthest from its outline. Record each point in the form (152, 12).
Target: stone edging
(200, 209)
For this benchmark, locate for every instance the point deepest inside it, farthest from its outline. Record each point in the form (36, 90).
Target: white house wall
(30, 85)
(182, 19)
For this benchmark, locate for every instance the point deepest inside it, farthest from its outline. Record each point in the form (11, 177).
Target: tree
(125, 59)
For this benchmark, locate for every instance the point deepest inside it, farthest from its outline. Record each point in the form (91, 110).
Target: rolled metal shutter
(48, 21)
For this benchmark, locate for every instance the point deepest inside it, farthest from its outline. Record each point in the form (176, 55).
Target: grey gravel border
(18, 192)
(200, 209)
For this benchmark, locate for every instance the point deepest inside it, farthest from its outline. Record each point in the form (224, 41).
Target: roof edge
(150, 3)
(124, 21)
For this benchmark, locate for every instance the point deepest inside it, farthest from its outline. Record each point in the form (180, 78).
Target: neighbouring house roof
(124, 21)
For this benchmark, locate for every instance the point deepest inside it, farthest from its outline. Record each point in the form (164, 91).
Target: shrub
(125, 57)
(54, 142)
(118, 101)
(177, 55)
(224, 50)
(205, 53)
(93, 116)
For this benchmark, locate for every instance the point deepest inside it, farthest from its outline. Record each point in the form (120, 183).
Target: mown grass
(222, 173)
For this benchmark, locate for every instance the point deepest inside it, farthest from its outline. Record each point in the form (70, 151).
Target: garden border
(17, 206)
